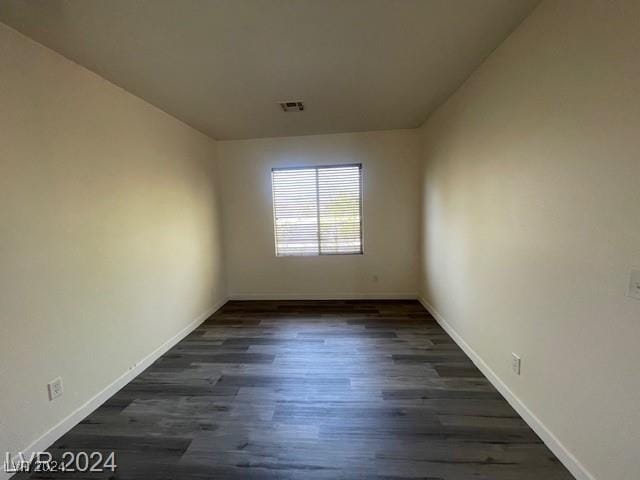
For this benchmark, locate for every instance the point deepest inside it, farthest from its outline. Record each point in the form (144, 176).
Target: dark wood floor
(313, 390)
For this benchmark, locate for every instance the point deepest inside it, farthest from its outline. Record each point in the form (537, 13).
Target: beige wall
(531, 225)
(390, 216)
(109, 234)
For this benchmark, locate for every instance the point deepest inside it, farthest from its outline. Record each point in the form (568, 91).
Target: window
(317, 210)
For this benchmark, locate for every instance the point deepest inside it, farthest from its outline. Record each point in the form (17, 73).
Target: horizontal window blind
(318, 210)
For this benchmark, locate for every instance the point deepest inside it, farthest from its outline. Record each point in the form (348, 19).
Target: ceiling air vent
(292, 106)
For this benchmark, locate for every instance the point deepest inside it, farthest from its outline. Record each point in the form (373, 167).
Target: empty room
(320, 239)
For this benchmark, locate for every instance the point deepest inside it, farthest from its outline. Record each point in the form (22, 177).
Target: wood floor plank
(313, 390)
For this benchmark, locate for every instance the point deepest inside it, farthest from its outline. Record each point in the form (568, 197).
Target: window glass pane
(317, 211)
(295, 206)
(339, 209)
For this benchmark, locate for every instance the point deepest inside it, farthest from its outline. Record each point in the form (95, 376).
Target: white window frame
(361, 208)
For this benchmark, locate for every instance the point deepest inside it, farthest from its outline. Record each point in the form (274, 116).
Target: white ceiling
(222, 65)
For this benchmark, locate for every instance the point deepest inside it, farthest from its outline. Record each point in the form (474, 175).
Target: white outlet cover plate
(55, 389)
(515, 363)
(634, 284)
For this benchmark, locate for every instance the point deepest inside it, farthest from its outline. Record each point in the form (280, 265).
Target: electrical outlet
(54, 387)
(515, 363)
(634, 284)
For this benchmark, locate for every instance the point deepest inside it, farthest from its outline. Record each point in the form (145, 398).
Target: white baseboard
(555, 445)
(323, 296)
(45, 440)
